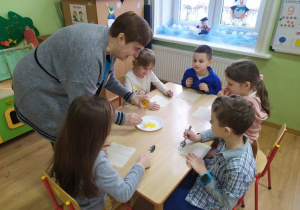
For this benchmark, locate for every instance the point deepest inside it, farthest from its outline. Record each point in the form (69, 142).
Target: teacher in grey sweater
(75, 61)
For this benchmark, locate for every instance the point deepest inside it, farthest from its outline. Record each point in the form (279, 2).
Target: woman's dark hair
(243, 71)
(133, 26)
(87, 125)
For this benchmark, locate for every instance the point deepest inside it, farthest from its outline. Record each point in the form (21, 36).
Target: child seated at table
(201, 76)
(219, 182)
(138, 80)
(80, 164)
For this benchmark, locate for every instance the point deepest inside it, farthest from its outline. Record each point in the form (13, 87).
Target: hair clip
(261, 77)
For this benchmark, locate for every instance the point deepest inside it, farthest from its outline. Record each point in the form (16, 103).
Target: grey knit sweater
(107, 179)
(75, 59)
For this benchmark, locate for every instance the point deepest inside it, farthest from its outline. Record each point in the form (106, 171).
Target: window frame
(270, 10)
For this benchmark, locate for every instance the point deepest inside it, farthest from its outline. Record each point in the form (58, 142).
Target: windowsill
(215, 46)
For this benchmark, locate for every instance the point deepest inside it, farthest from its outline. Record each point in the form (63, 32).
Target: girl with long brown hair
(79, 164)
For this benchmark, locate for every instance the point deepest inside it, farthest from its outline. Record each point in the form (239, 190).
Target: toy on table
(204, 27)
(239, 10)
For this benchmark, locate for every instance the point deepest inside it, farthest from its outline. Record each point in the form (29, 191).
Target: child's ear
(247, 85)
(228, 131)
(121, 39)
(210, 62)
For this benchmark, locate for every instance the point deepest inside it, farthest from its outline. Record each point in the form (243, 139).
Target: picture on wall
(78, 13)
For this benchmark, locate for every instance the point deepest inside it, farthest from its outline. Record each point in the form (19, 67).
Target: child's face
(217, 130)
(200, 63)
(142, 71)
(236, 88)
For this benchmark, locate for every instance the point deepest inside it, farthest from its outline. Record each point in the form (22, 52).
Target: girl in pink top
(243, 79)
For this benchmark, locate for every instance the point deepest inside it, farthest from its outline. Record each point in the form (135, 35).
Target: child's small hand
(191, 136)
(170, 93)
(105, 145)
(189, 82)
(197, 163)
(224, 92)
(154, 106)
(204, 87)
(145, 160)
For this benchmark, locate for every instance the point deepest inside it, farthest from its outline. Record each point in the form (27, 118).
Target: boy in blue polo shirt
(219, 182)
(201, 76)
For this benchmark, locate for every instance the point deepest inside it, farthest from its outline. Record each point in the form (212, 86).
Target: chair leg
(269, 178)
(256, 193)
(243, 204)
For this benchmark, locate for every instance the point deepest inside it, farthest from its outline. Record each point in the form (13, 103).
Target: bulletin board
(118, 8)
(286, 37)
(79, 11)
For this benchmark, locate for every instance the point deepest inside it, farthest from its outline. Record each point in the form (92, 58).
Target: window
(232, 26)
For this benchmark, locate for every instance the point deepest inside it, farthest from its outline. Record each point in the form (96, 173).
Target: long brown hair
(84, 132)
(133, 26)
(243, 71)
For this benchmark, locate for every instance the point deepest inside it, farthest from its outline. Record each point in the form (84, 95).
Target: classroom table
(168, 166)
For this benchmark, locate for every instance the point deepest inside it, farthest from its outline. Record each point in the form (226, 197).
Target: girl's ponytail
(262, 93)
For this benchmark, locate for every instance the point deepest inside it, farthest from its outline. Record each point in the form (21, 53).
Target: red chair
(263, 163)
(66, 199)
(240, 202)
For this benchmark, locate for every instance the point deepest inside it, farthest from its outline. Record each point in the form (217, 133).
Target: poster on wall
(78, 13)
(286, 37)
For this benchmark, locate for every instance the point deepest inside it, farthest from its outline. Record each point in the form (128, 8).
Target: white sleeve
(158, 84)
(128, 82)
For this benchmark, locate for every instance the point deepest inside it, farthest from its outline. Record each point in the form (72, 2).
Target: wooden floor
(23, 158)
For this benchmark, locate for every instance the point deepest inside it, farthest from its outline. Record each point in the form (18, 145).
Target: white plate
(156, 120)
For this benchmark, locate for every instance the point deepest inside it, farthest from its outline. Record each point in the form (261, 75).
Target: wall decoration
(78, 13)
(30, 36)
(12, 29)
(111, 16)
(286, 35)
(239, 11)
(118, 4)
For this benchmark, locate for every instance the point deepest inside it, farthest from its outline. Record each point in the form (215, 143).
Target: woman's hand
(191, 136)
(145, 160)
(154, 106)
(135, 99)
(132, 119)
(197, 163)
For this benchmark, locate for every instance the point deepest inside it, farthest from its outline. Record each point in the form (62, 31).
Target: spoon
(183, 143)
(151, 149)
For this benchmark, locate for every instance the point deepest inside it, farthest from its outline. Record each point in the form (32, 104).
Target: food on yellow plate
(149, 124)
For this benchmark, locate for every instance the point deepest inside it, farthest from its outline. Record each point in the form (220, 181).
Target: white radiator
(171, 64)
